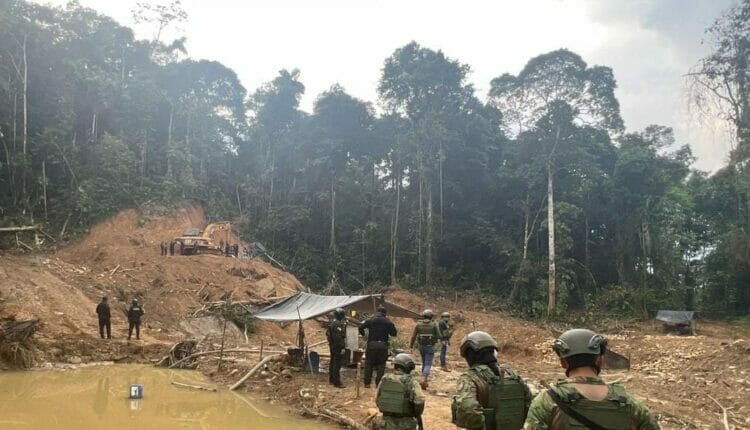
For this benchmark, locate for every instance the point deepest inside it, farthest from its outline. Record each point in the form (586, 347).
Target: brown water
(97, 398)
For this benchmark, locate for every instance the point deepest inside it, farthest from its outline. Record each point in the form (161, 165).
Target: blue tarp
(675, 317)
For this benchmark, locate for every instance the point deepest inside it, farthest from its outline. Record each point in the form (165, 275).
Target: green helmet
(445, 315)
(477, 341)
(405, 362)
(339, 313)
(428, 314)
(579, 341)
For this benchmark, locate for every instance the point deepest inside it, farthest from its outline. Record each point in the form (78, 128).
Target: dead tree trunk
(144, 151)
(394, 230)
(551, 304)
(419, 221)
(25, 106)
(429, 237)
(44, 187)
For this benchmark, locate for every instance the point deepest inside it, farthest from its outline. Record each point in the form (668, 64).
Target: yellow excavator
(212, 240)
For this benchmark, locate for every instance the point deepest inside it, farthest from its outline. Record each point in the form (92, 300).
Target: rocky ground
(677, 376)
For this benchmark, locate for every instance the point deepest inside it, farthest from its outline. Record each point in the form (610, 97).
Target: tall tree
(559, 76)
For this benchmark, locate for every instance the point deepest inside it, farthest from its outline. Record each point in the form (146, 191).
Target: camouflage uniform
(417, 399)
(469, 413)
(545, 415)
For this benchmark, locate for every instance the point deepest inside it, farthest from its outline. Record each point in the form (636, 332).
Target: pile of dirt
(120, 258)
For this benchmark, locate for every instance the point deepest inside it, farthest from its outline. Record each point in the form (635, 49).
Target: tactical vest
(503, 399)
(394, 397)
(613, 413)
(426, 333)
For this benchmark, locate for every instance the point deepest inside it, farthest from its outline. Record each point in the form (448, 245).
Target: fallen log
(217, 351)
(322, 342)
(19, 229)
(334, 416)
(197, 387)
(252, 371)
(724, 409)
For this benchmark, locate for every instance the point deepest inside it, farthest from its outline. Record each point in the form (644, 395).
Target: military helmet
(382, 309)
(404, 361)
(135, 301)
(477, 341)
(428, 314)
(339, 313)
(445, 315)
(579, 341)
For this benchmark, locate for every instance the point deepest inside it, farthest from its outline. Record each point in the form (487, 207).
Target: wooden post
(221, 353)
(359, 380)
(261, 349)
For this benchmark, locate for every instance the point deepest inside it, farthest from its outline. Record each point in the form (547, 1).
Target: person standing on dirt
(489, 396)
(400, 397)
(336, 335)
(171, 248)
(426, 334)
(379, 328)
(102, 311)
(161, 248)
(446, 330)
(134, 319)
(584, 400)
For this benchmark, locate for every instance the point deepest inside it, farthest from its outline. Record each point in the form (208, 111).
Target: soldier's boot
(424, 384)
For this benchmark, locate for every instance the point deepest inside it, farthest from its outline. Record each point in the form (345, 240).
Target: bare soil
(674, 375)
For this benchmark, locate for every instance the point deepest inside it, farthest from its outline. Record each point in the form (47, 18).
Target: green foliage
(439, 190)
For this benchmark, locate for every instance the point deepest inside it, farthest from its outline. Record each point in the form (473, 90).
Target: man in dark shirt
(134, 319)
(102, 311)
(379, 328)
(336, 335)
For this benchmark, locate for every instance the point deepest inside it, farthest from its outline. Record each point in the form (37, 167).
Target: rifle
(420, 424)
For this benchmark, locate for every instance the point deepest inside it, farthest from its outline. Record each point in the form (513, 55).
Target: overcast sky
(650, 44)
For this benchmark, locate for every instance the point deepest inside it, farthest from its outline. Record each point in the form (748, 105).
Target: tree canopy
(536, 192)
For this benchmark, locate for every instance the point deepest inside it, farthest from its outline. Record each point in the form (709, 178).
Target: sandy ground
(674, 375)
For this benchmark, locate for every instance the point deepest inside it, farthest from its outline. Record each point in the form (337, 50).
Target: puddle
(97, 398)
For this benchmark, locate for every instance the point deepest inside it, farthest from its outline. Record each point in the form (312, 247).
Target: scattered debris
(17, 346)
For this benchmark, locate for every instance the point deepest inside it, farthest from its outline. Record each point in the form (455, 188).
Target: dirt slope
(121, 258)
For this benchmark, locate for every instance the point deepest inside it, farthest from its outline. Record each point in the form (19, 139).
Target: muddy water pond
(97, 398)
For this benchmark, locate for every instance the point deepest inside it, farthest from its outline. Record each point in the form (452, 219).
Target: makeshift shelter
(680, 321)
(304, 306)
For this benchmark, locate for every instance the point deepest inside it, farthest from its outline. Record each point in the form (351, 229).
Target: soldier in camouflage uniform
(426, 334)
(489, 396)
(400, 397)
(584, 400)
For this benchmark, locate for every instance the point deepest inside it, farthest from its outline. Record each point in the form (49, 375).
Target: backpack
(503, 399)
(394, 396)
(612, 413)
(426, 333)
